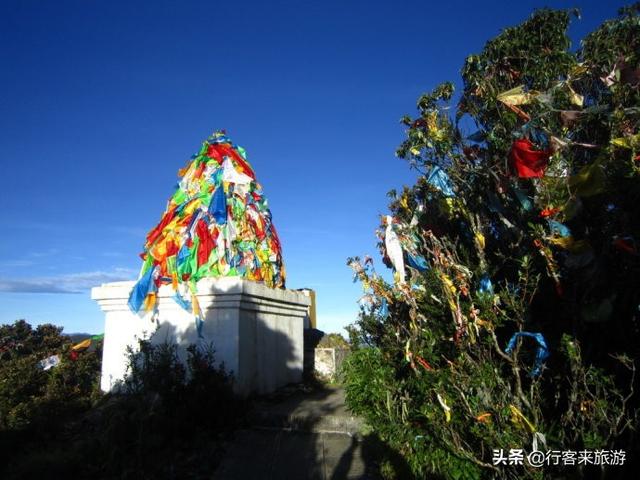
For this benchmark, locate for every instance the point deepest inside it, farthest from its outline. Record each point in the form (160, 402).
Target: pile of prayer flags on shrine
(216, 224)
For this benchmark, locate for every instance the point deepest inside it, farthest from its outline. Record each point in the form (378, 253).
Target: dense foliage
(524, 218)
(333, 340)
(32, 399)
(168, 421)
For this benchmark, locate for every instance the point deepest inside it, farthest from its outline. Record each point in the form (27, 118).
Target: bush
(32, 399)
(169, 422)
(333, 340)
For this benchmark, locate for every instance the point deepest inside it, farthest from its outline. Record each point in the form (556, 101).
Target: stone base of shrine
(255, 330)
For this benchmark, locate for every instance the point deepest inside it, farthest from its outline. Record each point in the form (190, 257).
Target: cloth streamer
(445, 407)
(141, 290)
(394, 249)
(217, 223)
(418, 262)
(541, 354)
(83, 345)
(439, 179)
(529, 163)
(49, 362)
(518, 418)
(558, 228)
(517, 96)
(383, 310)
(486, 287)
(54, 360)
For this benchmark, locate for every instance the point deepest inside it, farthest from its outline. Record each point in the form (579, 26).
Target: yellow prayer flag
(517, 96)
(627, 142)
(590, 180)
(447, 281)
(82, 345)
(575, 98)
(519, 419)
(445, 407)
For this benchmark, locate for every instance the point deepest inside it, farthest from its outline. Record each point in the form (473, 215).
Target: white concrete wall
(328, 361)
(256, 331)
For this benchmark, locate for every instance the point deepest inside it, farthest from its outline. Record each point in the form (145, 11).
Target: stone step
(319, 411)
(347, 425)
(277, 455)
(302, 433)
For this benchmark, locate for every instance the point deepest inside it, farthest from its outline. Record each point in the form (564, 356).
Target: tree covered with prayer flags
(512, 321)
(217, 223)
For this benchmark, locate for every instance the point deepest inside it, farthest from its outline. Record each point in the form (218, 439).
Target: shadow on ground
(306, 432)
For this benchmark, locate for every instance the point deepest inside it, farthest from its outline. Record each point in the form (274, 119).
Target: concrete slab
(316, 411)
(280, 454)
(301, 434)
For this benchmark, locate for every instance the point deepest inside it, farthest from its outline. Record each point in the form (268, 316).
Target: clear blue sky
(101, 102)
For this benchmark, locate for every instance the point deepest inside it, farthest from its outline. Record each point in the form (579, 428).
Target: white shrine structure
(256, 331)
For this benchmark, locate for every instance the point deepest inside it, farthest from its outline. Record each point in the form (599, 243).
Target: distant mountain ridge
(78, 337)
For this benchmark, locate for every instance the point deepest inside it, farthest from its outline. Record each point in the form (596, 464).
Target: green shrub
(169, 421)
(333, 340)
(170, 418)
(36, 400)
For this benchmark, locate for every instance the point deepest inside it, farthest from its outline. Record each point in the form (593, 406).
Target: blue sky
(103, 101)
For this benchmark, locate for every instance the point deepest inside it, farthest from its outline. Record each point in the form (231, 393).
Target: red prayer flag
(212, 152)
(200, 169)
(155, 233)
(548, 212)
(227, 151)
(275, 239)
(529, 163)
(172, 248)
(206, 243)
